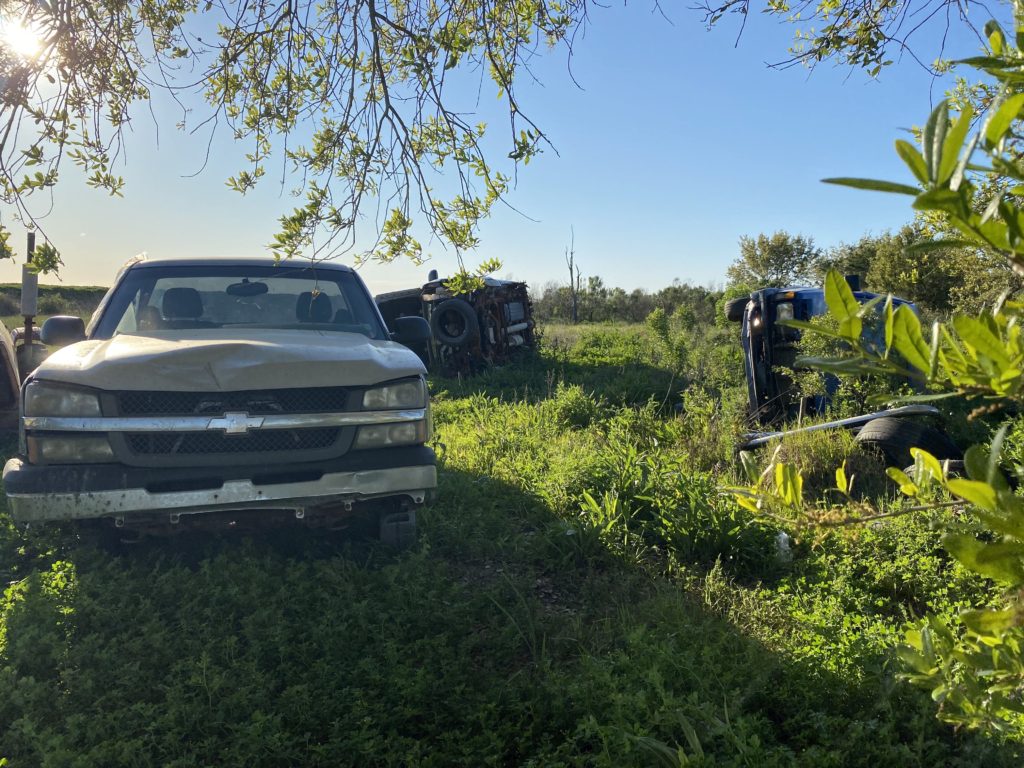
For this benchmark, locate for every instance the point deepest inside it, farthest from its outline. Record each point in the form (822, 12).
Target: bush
(572, 407)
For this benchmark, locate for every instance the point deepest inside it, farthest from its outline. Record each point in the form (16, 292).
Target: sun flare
(19, 38)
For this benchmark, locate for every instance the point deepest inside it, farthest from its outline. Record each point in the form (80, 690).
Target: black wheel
(454, 323)
(895, 437)
(734, 309)
(397, 529)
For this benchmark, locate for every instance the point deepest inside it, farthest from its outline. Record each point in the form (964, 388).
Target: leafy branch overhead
(352, 99)
(951, 184)
(867, 34)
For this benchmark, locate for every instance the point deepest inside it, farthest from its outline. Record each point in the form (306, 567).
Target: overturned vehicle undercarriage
(469, 331)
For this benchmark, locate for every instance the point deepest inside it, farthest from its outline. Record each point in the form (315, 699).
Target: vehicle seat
(182, 308)
(310, 310)
(344, 317)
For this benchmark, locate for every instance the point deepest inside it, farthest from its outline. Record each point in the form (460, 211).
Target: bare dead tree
(575, 282)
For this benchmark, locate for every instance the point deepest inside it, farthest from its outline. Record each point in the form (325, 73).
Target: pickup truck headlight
(411, 393)
(45, 399)
(68, 449)
(390, 435)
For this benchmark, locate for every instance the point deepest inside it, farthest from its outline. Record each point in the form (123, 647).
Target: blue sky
(674, 145)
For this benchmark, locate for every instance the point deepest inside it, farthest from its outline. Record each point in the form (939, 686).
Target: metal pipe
(755, 439)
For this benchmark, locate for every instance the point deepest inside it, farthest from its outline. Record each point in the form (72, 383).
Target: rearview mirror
(61, 330)
(410, 330)
(246, 289)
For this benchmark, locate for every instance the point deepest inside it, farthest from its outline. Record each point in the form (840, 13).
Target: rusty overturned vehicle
(227, 393)
(468, 331)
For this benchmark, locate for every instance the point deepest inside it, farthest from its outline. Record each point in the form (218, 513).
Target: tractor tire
(458, 314)
(894, 438)
(734, 309)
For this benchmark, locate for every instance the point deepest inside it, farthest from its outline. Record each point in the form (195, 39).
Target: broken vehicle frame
(468, 331)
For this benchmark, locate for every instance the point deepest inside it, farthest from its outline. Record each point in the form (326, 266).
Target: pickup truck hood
(247, 359)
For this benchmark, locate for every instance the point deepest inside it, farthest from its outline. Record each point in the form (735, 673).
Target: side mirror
(61, 330)
(410, 330)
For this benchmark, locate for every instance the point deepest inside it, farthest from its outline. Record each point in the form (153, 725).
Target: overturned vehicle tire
(454, 322)
(734, 309)
(893, 438)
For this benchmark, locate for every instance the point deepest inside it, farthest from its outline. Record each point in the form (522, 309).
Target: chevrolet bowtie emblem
(236, 423)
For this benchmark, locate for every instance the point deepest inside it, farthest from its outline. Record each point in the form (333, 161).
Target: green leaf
(980, 337)
(908, 340)
(907, 486)
(1000, 122)
(996, 452)
(1009, 520)
(996, 38)
(789, 484)
(929, 462)
(989, 623)
(750, 467)
(954, 142)
(1003, 561)
(976, 462)
(982, 463)
(873, 185)
(941, 199)
(976, 492)
(934, 139)
(913, 159)
(933, 351)
(961, 167)
(888, 324)
(914, 659)
(842, 483)
(842, 305)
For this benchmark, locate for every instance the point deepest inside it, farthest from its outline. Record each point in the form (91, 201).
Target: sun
(20, 39)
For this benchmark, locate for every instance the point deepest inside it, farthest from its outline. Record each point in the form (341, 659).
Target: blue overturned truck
(769, 357)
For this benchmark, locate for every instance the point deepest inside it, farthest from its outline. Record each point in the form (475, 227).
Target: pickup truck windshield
(152, 299)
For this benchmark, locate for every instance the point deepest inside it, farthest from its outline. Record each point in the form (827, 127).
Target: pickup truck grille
(264, 441)
(255, 402)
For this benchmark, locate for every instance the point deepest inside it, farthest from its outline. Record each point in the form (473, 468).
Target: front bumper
(80, 492)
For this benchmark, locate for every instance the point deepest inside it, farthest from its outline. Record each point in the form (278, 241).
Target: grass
(580, 595)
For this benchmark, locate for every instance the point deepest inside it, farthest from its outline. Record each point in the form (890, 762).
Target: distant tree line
(598, 303)
(939, 281)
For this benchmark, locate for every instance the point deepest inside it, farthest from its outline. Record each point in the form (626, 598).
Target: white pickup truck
(228, 393)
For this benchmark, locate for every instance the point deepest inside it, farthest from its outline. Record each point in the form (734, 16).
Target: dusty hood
(206, 361)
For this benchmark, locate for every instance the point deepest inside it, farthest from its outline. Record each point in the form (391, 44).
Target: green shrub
(572, 407)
